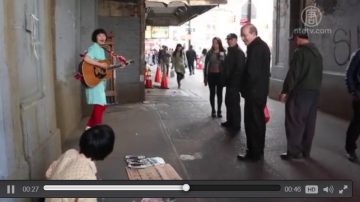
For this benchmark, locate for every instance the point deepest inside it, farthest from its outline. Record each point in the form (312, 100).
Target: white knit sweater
(72, 166)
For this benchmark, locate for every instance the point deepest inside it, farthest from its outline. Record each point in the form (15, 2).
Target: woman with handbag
(213, 74)
(178, 60)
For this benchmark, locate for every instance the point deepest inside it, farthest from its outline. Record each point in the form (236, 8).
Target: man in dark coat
(301, 90)
(191, 57)
(164, 60)
(233, 70)
(353, 84)
(255, 91)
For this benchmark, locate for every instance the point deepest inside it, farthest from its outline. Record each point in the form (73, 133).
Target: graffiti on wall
(328, 6)
(345, 42)
(331, 6)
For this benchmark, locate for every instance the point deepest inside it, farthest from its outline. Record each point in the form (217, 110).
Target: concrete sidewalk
(176, 125)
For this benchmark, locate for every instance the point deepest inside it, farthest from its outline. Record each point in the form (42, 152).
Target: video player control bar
(175, 189)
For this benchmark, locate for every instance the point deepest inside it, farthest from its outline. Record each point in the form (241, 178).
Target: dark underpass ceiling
(168, 12)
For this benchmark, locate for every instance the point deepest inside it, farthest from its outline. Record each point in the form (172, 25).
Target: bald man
(255, 90)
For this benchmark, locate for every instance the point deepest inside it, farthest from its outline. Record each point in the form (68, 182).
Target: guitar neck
(120, 65)
(113, 67)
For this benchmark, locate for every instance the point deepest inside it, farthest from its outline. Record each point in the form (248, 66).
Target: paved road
(176, 125)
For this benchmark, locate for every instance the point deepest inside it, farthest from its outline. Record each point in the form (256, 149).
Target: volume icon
(329, 189)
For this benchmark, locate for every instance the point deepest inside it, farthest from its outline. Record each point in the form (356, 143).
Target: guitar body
(93, 75)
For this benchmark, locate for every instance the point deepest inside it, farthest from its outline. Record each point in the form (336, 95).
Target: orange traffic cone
(164, 82)
(157, 75)
(148, 81)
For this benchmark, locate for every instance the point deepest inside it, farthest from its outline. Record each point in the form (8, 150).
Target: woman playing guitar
(96, 95)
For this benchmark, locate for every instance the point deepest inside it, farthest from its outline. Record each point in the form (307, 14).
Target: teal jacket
(305, 72)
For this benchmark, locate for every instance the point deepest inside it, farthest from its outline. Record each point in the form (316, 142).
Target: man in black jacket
(234, 67)
(191, 57)
(255, 91)
(353, 84)
(301, 93)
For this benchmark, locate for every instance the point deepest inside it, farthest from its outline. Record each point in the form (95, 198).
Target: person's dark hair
(221, 47)
(301, 33)
(204, 51)
(97, 32)
(97, 142)
(176, 50)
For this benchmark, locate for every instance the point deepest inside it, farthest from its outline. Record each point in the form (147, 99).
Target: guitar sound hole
(99, 72)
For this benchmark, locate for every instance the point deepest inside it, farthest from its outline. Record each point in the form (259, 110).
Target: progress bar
(184, 187)
(176, 189)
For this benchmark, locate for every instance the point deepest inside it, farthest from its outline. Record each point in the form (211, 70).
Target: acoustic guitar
(93, 75)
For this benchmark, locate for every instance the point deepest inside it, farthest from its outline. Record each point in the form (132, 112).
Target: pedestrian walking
(164, 60)
(191, 57)
(178, 60)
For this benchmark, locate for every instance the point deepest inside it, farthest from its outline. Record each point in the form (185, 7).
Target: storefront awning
(170, 12)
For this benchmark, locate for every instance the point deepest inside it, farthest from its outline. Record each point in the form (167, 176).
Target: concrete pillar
(126, 23)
